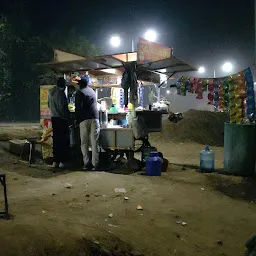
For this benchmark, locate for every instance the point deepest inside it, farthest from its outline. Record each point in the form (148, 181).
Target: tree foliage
(20, 76)
(6, 38)
(70, 41)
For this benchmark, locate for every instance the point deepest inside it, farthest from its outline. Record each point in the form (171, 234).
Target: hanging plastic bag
(140, 130)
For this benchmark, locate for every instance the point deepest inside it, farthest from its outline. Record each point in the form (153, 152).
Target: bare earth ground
(9, 131)
(50, 219)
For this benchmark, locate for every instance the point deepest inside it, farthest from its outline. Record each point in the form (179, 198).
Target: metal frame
(5, 213)
(114, 130)
(140, 67)
(167, 79)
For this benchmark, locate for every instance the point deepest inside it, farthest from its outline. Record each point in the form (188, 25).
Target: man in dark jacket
(87, 115)
(58, 104)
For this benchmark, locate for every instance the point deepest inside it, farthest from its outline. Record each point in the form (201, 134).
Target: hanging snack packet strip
(216, 94)
(250, 98)
(236, 99)
(210, 91)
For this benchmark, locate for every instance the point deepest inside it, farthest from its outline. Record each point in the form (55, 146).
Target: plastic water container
(123, 122)
(103, 116)
(129, 119)
(154, 164)
(207, 160)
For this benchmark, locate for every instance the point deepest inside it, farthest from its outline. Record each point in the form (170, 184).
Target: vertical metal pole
(214, 73)
(66, 89)
(158, 94)
(132, 16)
(97, 94)
(254, 32)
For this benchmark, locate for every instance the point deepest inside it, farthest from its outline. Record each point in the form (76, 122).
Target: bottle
(105, 119)
(207, 160)
(129, 119)
(154, 164)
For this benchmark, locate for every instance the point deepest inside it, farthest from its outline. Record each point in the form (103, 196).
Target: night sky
(204, 33)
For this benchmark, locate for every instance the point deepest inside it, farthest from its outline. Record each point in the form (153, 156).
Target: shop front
(123, 111)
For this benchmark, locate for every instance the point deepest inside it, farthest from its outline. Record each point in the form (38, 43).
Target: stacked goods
(233, 94)
(237, 95)
(250, 98)
(223, 96)
(182, 86)
(211, 87)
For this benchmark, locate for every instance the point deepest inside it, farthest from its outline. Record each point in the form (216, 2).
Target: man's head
(61, 83)
(84, 81)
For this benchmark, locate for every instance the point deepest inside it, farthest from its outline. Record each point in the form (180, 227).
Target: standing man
(58, 104)
(87, 115)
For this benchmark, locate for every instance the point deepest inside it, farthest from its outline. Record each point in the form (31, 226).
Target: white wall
(184, 103)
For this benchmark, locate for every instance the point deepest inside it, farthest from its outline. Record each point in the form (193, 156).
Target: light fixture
(119, 80)
(227, 67)
(168, 91)
(109, 70)
(150, 35)
(115, 41)
(201, 70)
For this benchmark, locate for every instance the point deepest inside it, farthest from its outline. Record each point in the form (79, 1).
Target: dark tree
(20, 76)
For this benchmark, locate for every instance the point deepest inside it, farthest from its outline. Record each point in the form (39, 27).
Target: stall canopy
(60, 56)
(104, 63)
(168, 66)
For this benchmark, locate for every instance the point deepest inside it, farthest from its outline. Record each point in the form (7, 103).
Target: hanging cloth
(129, 82)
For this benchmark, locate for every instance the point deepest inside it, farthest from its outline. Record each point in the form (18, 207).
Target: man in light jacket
(58, 104)
(87, 116)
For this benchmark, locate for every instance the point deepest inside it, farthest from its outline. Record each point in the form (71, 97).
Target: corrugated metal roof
(76, 65)
(168, 66)
(146, 72)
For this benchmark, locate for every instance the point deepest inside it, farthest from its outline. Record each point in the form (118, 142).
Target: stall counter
(153, 119)
(117, 138)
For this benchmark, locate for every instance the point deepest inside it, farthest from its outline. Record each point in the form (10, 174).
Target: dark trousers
(61, 140)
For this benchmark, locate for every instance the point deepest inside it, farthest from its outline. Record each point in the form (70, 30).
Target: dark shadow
(183, 167)
(244, 190)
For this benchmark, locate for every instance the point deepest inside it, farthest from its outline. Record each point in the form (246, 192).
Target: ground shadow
(243, 188)
(183, 167)
(40, 169)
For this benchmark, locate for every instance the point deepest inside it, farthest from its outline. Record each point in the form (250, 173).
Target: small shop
(235, 96)
(120, 108)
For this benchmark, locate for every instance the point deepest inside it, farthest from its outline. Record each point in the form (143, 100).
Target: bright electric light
(109, 70)
(227, 67)
(201, 70)
(115, 41)
(119, 80)
(150, 35)
(168, 91)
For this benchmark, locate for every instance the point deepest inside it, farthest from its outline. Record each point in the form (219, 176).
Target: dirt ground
(48, 219)
(10, 131)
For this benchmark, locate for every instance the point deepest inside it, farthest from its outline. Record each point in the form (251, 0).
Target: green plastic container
(239, 149)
